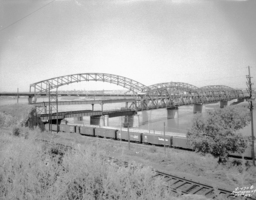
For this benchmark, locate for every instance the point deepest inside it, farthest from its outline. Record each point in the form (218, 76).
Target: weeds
(32, 170)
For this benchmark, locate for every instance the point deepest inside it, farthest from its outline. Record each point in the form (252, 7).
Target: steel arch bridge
(161, 95)
(49, 84)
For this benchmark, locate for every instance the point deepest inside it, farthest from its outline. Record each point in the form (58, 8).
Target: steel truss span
(161, 95)
(49, 84)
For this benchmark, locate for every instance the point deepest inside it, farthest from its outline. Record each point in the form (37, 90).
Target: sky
(199, 42)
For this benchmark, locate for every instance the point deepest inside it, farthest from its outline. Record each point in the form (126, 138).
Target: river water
(150, 120)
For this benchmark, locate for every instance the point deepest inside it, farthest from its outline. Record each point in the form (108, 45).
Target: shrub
(16, 131)
(216, 133)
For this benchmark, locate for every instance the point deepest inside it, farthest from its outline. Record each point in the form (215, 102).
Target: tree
(217, 132)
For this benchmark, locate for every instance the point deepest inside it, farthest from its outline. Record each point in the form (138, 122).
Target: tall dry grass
(31, 170)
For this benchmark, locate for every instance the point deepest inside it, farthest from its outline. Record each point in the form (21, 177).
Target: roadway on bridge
(103, 101)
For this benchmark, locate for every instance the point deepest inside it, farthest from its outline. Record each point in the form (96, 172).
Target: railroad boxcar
(67, 128)
(106, 132)
(54, 127)
(181, 142)
(87, 130)
(156, 139)
(135, 136)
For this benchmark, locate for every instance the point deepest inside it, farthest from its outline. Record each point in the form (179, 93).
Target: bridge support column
(198, 107)
(126, 105)
(223, 103)
(95, 120)
(144, 117)
(105, 120)
(92, 107)
(128, 121)
(171, 112)
(99, 120)
(102, 107)
(30, 98)
(136, 120)
(79, 118)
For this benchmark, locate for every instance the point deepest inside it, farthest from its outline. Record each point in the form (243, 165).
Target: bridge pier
(105, 120)
(30, 98)
(79, 118)
(171, 112)
(198, 107)
(128, 121)
(223, 103)
(92, 107)
(144, 117)
(99, 120)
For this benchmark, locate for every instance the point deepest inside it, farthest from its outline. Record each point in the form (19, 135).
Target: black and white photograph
(127, 99)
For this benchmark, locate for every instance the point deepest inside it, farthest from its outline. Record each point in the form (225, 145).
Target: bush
(16, 131)
(216, 133)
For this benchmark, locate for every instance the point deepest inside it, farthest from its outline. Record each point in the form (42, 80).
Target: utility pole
(18, 95)
(249, 84)
(164, 140)
(57, 114)
(50, 128)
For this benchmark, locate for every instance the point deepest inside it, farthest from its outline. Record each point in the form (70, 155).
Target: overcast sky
(200, 42)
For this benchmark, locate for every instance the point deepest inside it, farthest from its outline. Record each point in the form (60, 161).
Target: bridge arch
(172, 88)
(168, 85)
(223, 91)
(45, 85)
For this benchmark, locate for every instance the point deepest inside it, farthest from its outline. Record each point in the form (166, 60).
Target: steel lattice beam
(161, 95)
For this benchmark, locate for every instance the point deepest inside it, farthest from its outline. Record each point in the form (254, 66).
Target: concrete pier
(128, 121)
(144, 117)
(31, 99)
(99, 120)
(198, 108)
(79, 118)
(172, 112)
(95, 120)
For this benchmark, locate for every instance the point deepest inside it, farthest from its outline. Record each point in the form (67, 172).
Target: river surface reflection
(154, 120)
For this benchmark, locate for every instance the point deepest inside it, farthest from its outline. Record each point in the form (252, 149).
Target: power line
(26, 16)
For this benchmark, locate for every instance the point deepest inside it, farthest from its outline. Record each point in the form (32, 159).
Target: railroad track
(184, 186)
(177, 184)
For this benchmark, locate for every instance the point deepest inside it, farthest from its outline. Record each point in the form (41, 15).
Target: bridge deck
(103, 101)
(65, 94)
(81, 113)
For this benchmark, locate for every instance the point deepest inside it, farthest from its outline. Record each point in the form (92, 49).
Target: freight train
(174, 140)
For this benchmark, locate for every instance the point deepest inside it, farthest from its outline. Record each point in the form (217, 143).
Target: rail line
(181, 185)
(177, 184)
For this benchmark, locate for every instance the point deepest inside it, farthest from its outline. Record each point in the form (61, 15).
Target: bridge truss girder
(177, 94)
(47, 86)
(161, 95)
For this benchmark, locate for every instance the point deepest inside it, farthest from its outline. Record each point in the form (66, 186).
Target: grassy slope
(33, 170)
(14, 114)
